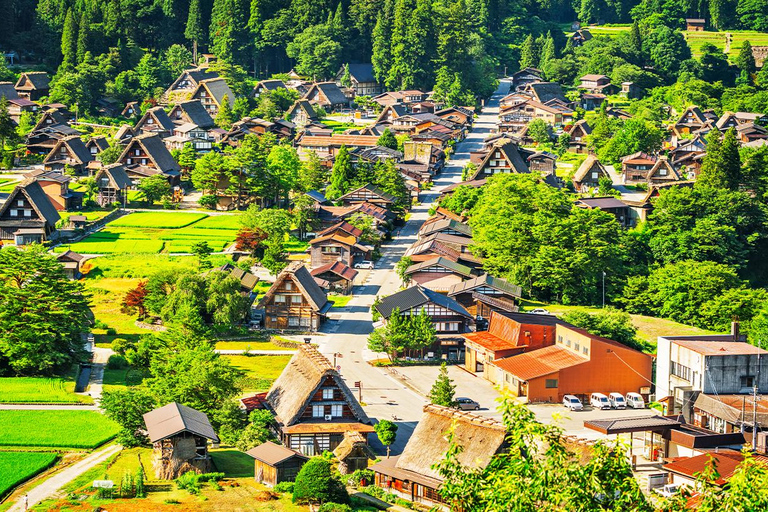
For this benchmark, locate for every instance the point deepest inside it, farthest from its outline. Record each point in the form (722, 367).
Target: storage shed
(275, 463)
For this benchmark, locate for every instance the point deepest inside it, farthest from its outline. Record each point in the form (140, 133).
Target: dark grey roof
(486, 280)
(39, 79)
(77, 146)
(273, 454)
(417, 296)
(304, 105)
(362, 72)
(218, 88)
(271, 85)
(175, 418)
(117, 175)
(333, 93)
(316, 294)
(545, 91)
(375, 190)
(161, 116)
(601, 202)
(442, 262)
(317, 196)
(200, 74)
(535, 319)
(196, 113)
(445, 225)
(377, 153)
(8, 91)
(157, 151)
(100, 142)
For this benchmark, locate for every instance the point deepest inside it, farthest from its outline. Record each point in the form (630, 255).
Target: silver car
(572, 403)
(467, 404)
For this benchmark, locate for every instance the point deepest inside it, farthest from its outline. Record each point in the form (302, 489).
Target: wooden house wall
(338, 399)
(279, 314)
(320, 258)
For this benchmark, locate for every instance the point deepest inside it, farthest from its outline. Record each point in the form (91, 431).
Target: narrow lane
(346, 333)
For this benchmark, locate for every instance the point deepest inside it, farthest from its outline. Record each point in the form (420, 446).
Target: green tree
(609, 323)
(208, 172)
(714, 63)
(83, 37)
(258, 430)
(203, 252)
(127, 408)
(745, 60)
(341, 175)
(317, 54)
(229, 33)
(539, 131)
(721, 166)
(177, 59)
(529, 53)
(194, 29)
(346, 78)
(154, 188)
(284, 165)
(42, 313)
(312, 175)
(386, 432)
(443, 390)
(316, 484)
(225, 117)
(7, 126)
(548, 52)
(69, 42)
(387, 140)
(382, 41)
(225, 305)
(400, 267)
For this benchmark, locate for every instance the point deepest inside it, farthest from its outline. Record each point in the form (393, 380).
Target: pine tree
(636, 39)
(194, 30)
(7, 126)
(709, 174)
(339, 26)
(341, 174)
(346, 78)
(69, 42)
(730, 159)
(548, 52)
(590, 11)
(225, 117)
(382, 35)
(229, 31)
(82, 37)
(401, 73)
(529, 53)
(387, 139)
(745, 60)
(443, 390)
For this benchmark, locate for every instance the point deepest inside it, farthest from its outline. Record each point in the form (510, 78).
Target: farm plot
(41, 390)
(17, 467)
(152, 233)
(260, 371)
(60, 429)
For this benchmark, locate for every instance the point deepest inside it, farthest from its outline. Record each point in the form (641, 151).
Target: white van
(599, 401)
(635, 401)
(617, 401)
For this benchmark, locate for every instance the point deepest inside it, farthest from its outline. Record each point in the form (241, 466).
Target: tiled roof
(539, 363)
(417, 296)
(338, 268)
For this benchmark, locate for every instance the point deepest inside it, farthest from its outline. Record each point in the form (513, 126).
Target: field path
(51, 486)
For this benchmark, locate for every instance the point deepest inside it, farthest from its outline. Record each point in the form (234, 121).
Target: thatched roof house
(313, 405)
(411, 475)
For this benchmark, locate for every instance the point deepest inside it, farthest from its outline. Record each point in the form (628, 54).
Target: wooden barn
(275, 463)
(179, 437)
(295, 301)
(314, 408)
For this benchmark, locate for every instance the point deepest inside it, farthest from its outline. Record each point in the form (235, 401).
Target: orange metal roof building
(539, 363)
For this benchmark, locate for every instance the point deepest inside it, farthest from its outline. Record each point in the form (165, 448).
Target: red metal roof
(726, 465)
(489, 341)
(338, 268)
(539, 363)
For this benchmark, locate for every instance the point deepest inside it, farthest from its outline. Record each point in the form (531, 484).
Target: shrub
(211, 477)
(139, 483)
(284, 487)
(120, 345)
(316, 484)
(334, 507)
(98, 324)
(111, 331)
(360, 476)
(208, 201)
(116, 362)
(189, 481)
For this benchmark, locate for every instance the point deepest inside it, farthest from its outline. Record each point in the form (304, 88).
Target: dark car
(467, 404)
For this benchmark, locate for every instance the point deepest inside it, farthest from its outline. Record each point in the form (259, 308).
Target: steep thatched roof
(479, 437)
(352, 441)
(300, 380)
(590, 163)
(299, 274)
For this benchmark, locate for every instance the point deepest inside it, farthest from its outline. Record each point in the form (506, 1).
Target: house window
(560, 339)
(567, 343)
(293, 321)
(550, 383)
(280, 298)
(594, 175)
(318, 411)
(129, 161)
(576, 346)
(20, 202)
(328, 394)
(337, 411)
(747, 381)
(585, 351)
(14, 213)
(663, 172)
(296, 299)
(137, 152)
(143, 161)
(304, 321)
(27, 213)
(288, 285)
(334, 249)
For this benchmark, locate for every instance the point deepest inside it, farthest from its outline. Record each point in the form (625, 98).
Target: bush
(360, 475)
(211, 477)
(334, 507)
(189, 481)
(284, 487)
(316, 484)
(208, 201)
(116, 362)
(120, 345)
(98, 324)
(111, 331)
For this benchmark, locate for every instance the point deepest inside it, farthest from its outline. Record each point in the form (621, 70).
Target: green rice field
(17, 467)
(59, 429)
(155, 232)
(39, 390)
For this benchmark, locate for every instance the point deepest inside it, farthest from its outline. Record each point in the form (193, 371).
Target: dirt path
(51, 487)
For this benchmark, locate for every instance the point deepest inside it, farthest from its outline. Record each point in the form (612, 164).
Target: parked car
(364, 264)
(572, 403)
(617, 401)
(669, 490)
(635, 401)
(467, 404)
(540, 311)
(599, 401)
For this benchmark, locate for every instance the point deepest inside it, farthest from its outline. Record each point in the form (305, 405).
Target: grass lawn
(106, 303)
(121, 379)
(154, 232)
(648, 328)
(248, 345)
(42, 390)
(295, 246)
(17, 467)
(338, 126)
(260, 371)
(70, 429)
(339, 301)
(233, 463)
(143, 266)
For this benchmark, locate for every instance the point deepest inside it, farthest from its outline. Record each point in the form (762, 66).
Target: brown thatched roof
(352, 441)
(300, 380)
(479, 437)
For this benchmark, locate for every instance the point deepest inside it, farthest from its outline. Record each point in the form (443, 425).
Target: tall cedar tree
(721, 167)
(382, 39)
(745, 60)
(82, 37)
(443, 390)
(636, 40)
(401, 74)
(194, 29)
(548, 51)
(341, 174)
(69, 42)
(529, 53)
(229, 35)
(7, 126)
(387, 140)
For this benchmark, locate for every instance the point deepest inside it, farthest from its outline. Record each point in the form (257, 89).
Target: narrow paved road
(346, 333)
(51, 487)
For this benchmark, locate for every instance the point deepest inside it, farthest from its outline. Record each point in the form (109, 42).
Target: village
(333, 294)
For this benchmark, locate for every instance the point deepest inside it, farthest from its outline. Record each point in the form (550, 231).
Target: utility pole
(754, 403)
(603, 289)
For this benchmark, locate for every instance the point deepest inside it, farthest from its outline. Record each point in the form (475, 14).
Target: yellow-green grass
(248, 345)
(18, 467)
(339, 301)
(145, 265)
(75, 429)
(167, 220)
(129, 461)
(107, 296)
(648, 328)
(295, 246)
(120, 379)
(233, 463)
(259, 371)
(40, 390)
(229, 221)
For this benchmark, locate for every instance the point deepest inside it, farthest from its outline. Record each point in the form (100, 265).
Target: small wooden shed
(179, 437)
(275, 463)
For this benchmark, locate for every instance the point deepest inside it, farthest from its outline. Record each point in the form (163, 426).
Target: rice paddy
(40, 390)
(59, 429)
(17, 467)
